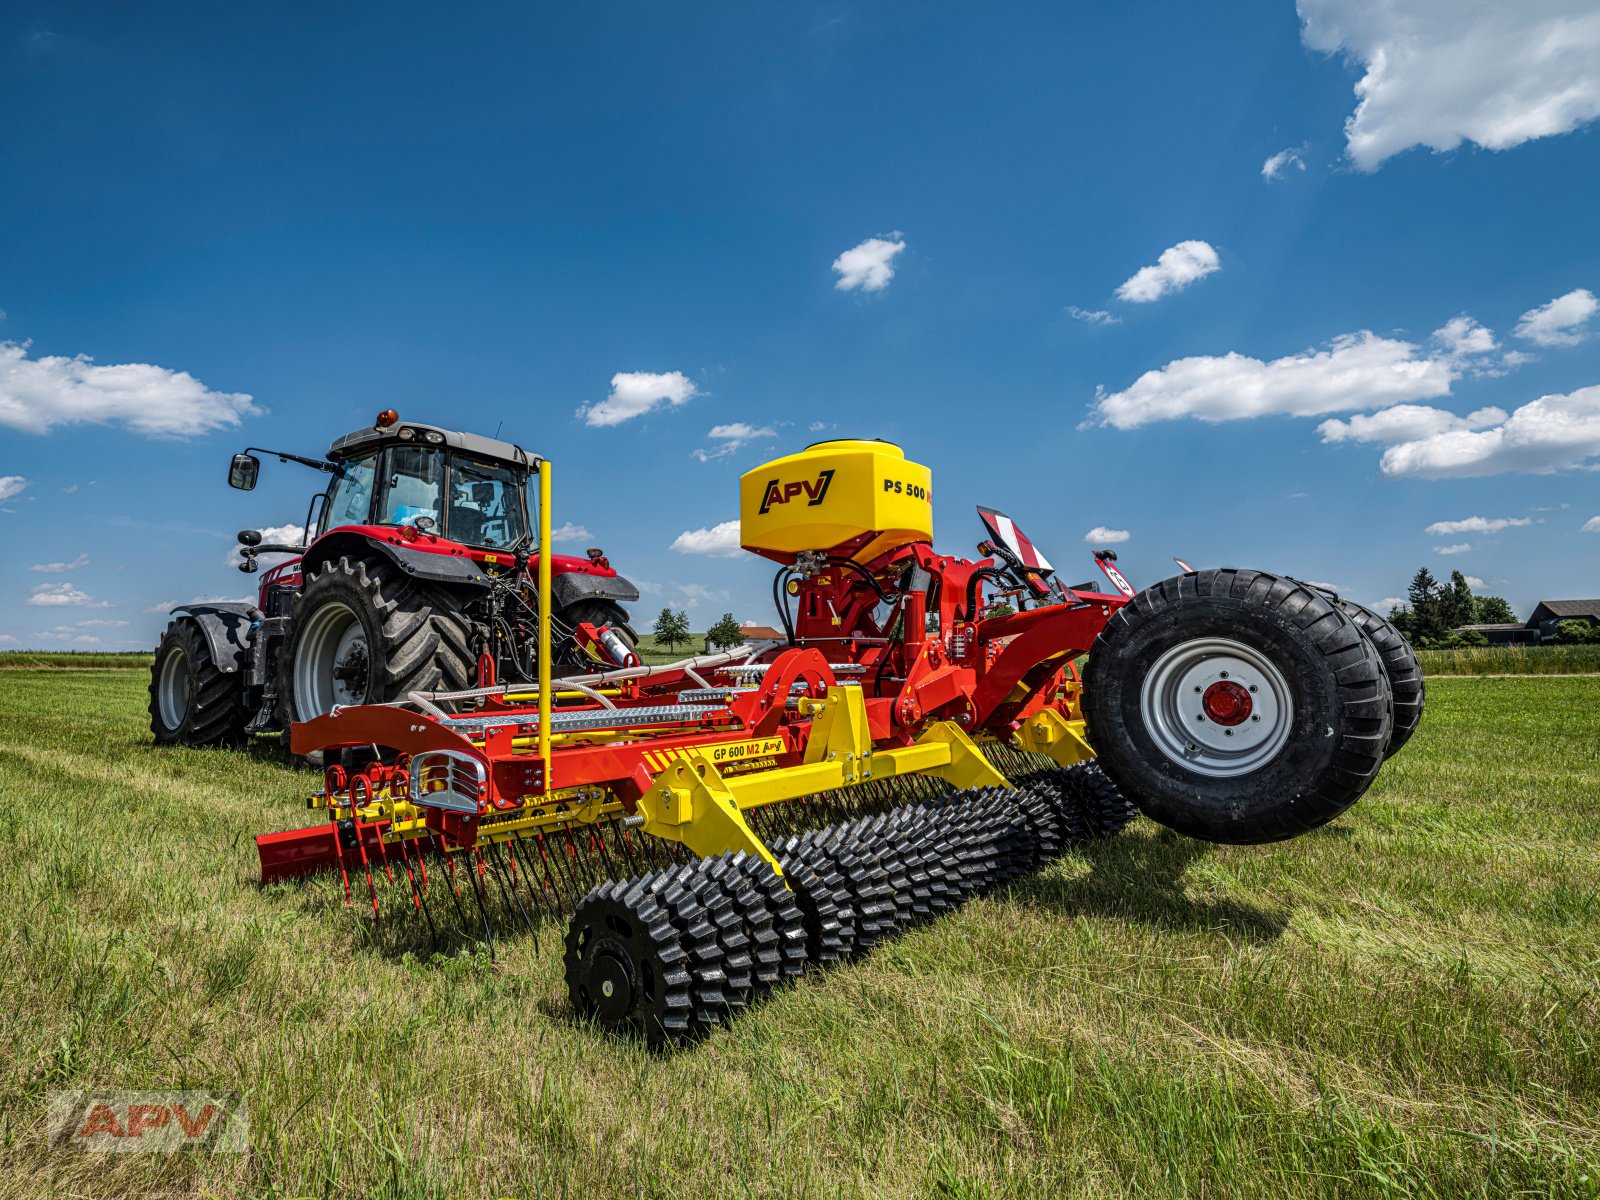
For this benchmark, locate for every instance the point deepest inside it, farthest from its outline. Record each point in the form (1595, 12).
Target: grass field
(1512, 660)
(1403, 1004)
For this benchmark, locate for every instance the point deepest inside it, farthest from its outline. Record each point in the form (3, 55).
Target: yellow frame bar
(544, 624)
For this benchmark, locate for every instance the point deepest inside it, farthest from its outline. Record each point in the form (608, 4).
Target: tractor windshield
(485, 504)
(350, 500)
(413, 486)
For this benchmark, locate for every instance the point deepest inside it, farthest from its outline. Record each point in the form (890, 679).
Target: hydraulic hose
(978, 577)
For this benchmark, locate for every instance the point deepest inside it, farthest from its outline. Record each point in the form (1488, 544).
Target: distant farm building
(1541, 626)
(752, 633)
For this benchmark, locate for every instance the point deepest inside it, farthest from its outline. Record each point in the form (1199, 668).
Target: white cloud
(1562, 322)
(1177, 268)
(1404, 423)
(1101, 536)
(819, 426)
(720, 541)
(271, 535)
(869, 266)
(37, 394)
(102, 624)
(571, 533)
(56, 568)
(1325, 586)
(1476, 525)
(1097, 316)
(1358, 370)
(1473, 582)
(1389, 603)
(1463, 337)
(731, 437)
(693, 595)
(1280, 162)
(69, 635)
(11, 485)
(7, 640)
(1440, 72)
(1552, 433)
(59, 595)
(634, 393)
(1592, 525)
(1458, 548)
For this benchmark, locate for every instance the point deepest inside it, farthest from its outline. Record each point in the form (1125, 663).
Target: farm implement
(709, 828)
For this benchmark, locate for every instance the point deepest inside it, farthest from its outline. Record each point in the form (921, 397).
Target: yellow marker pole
(544, 622)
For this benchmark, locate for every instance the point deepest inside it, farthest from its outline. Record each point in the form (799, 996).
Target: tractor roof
(373, 436)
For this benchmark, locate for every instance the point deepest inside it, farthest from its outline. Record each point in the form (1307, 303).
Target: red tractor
(416, 575)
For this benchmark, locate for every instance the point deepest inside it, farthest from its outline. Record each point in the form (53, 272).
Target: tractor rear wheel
(1236, 706)
(193, 702)
(1400, 664)
(598, 613)
(365, 633)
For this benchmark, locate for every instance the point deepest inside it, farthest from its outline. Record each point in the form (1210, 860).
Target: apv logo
(782, 493)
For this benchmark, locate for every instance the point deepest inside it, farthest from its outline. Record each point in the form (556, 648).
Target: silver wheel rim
(1172, 702)
(172, 688)
(332, 664)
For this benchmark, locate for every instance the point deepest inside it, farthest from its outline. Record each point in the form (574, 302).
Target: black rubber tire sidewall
(1401, 665)
(216, 715)
(1337, 734)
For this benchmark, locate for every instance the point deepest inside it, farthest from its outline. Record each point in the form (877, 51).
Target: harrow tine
(477, 894)
(405, 857)
(450, 878)
(530, 877)
(560, 869)
(499, 877)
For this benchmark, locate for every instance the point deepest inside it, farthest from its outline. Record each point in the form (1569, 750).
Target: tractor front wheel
(364, 633)
(193, 702)
(1237, 706)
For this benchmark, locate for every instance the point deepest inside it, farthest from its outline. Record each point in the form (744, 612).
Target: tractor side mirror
(242, 473)
(249, 537)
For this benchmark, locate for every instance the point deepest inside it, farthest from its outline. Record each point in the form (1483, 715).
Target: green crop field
(1403, 1004)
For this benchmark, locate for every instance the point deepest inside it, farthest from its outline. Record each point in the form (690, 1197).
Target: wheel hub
(332, 663)
(611, 983)
(1216, 706)
(1226, 703)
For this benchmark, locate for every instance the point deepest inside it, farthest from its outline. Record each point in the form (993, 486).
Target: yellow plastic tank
(854, 498)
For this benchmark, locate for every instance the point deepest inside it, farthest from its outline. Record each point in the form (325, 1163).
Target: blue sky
(1036, 244)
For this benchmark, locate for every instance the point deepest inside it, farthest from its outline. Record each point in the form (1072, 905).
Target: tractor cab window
(485, 504)
(350, 499)
(413, 485)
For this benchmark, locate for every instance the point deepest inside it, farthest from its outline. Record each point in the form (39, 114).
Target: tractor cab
(461, 487)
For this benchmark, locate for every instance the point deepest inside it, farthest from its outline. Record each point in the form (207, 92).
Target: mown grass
(1512, 660)
(1403, 1004)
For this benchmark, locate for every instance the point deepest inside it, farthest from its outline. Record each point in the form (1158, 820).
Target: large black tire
(193, 702)
(1400, 664)
(398, 636)
(1298, 703)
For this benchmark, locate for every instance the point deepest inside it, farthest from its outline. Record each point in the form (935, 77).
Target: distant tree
(1458, 608)
(999, 609)
(725, 632)
(1429, 604)
(1577, 633)
(671, 628)
(1492, 610)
